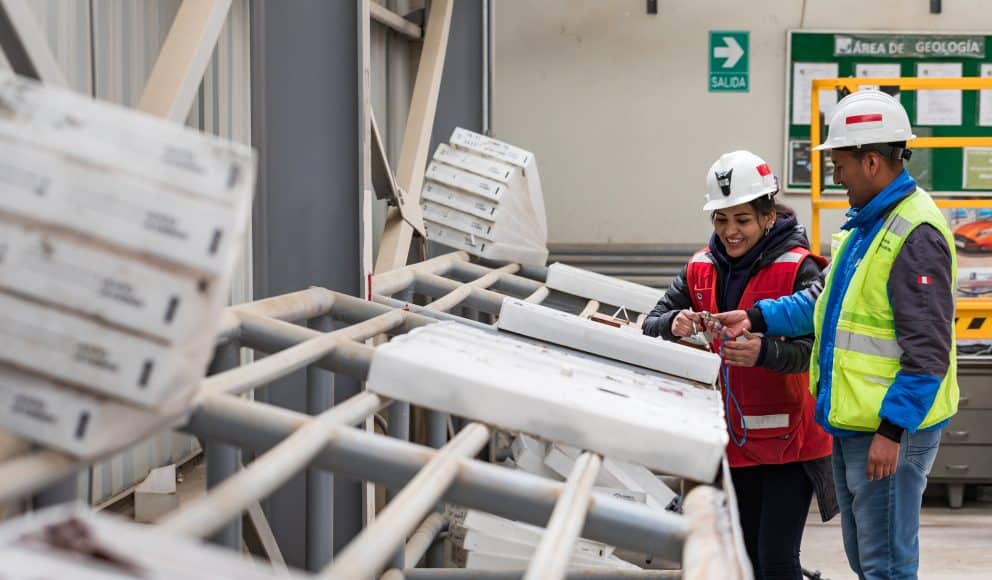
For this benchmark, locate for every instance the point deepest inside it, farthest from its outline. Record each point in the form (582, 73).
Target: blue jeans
(881, 519)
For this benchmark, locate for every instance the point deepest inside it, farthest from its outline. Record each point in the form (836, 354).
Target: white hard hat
(738, 177)
(865, 118)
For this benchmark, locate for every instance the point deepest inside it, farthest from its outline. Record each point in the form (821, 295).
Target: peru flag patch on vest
(925, 280)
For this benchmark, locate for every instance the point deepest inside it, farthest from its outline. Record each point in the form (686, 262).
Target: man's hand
(735, 322)
(686, 323)
(883, 457)
(742, 353)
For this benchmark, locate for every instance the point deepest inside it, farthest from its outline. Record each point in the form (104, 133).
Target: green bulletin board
(816, 54)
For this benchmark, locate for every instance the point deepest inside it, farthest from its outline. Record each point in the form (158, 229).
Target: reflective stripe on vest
(864, 344)
(790, 258)
(776, 421)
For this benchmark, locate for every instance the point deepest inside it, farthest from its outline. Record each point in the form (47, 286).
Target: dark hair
(892, 153)
(764, 205)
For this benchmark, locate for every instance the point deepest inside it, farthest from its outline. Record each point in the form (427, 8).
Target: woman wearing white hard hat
(778, 455)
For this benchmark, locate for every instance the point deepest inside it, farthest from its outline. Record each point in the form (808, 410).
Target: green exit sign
(729, 61)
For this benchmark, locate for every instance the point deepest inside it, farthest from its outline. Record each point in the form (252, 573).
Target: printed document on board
(985, 98)
(803, 74)
(938, 107)
(878, 70)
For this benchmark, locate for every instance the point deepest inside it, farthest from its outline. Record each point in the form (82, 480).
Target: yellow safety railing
(974, 315)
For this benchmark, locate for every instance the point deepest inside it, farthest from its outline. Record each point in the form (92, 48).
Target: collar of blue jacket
(866, 216)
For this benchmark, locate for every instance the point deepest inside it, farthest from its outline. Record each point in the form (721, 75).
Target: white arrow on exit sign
(732, 52)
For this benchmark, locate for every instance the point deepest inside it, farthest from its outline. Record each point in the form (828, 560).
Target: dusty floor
(954, 544)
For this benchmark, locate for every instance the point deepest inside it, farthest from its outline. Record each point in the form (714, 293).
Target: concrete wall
(614, 101)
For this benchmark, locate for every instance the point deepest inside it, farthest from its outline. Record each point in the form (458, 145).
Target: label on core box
(117, 208)
(87, 354)
(461, 201)
(83, 277)
(464, 180)
(119, 139)
(474, 163)
(66, 419)
(491, 147)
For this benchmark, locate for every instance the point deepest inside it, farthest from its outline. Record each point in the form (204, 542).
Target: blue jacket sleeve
(790, 315)
(921, 293)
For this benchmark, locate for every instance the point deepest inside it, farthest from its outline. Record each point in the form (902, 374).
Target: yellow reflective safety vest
(866, 353)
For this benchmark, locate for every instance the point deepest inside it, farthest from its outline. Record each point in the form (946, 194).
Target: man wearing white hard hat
(883, 367)
(779, 457)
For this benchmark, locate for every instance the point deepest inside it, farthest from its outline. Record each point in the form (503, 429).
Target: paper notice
(985, 99)
(803, 74)
(878, 71)
(938, 107)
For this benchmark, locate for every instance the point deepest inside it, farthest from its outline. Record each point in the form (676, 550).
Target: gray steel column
(437, 436)
(306, 119)
(399, 427)
(460, 102)
(224, 460)
(320, 484)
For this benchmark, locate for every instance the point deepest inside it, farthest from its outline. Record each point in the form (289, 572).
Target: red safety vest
(777, 408)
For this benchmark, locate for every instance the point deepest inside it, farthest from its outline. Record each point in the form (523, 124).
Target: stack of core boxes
(484, 196)
(119, 234)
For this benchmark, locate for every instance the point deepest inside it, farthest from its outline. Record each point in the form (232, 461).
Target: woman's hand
(734, 323)
(686, 323)
(742, 353)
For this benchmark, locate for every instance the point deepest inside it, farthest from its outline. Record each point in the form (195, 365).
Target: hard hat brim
(828, 145)
(716, 204)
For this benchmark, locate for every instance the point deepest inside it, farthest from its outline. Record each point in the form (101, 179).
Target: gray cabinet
(965, 454)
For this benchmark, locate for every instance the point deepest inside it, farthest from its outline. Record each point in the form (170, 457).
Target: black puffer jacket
(790, 356)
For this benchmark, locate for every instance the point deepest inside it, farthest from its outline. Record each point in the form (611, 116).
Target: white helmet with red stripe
(738, 177)
(866, 118)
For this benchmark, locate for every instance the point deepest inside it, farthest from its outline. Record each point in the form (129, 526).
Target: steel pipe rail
(536, 273)
(511, 280)
(478, 299)
(459, 295)
(319, 484)
(292, 307)
(222, 460)
(394, 21)
(592, 307)
(315, 302)
(550, 561)
(437, 315)
(538, 296)
(370, 551)
(268, 335)
(261, 372)
(395, 281)
(269, 471)
(418, 544)
(421, 540)
(491, 488)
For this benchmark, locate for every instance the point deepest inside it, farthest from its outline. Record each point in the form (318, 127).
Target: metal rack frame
(288, 442)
